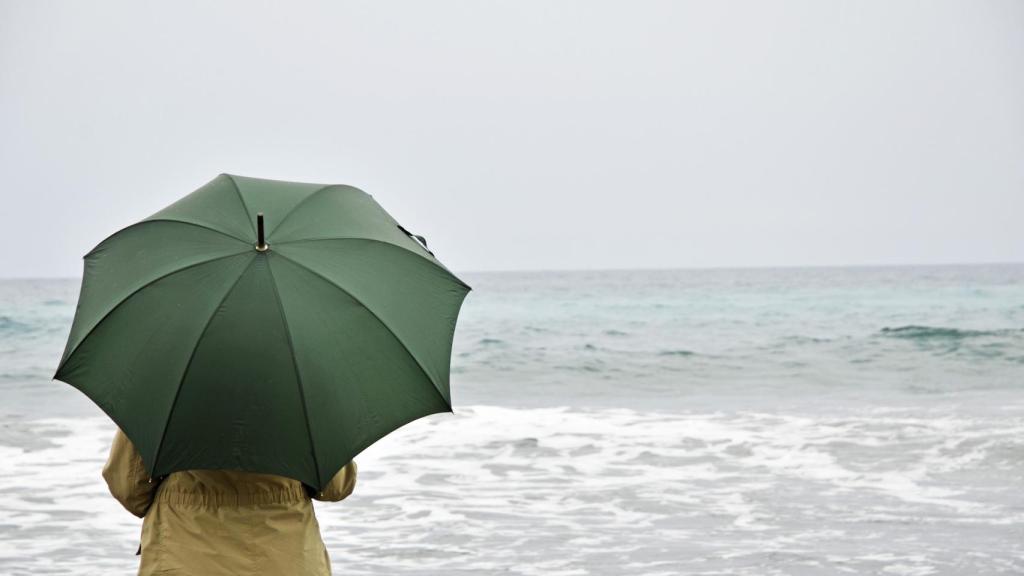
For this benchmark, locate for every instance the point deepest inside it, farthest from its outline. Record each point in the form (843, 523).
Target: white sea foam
(559, 491)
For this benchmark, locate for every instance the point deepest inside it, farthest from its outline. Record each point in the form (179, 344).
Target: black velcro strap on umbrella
(416, 237)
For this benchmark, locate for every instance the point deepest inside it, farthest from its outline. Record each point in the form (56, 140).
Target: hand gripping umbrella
(216, 346)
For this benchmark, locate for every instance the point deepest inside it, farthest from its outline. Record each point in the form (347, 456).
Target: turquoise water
(791, 336)
(775, 421)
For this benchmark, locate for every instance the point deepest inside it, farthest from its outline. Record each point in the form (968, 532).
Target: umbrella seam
(148, 220)
(380, 320)
(188, 365)
(437, 264)
(303, 201)
(129, 297)
(298, 373)
(248, 213)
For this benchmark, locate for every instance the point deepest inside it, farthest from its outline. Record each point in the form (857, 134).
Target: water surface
(786, 421)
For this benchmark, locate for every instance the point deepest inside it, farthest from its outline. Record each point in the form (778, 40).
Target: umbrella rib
(295, 366)
(191, 356)
(196, 224)
(300, 203)
(379, 319)
(133, 293)
(433, 261)
(147, 221)
(248, 215)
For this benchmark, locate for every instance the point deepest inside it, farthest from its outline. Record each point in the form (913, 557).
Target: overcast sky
(532, 134)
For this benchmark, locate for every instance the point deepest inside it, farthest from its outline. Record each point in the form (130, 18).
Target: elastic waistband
(214, 499)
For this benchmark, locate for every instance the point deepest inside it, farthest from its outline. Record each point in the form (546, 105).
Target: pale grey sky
(532, 134)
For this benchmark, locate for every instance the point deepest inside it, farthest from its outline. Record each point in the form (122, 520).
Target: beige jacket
(221, 522)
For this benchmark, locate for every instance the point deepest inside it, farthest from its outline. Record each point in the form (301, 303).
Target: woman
(214, 522)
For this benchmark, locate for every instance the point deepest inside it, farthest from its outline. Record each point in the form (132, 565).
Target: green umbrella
(213, 347)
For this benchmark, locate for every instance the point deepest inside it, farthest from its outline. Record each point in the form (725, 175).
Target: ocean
(804, 421)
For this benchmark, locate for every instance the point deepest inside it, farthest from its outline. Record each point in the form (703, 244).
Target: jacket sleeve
(127, 478)
(340, 486)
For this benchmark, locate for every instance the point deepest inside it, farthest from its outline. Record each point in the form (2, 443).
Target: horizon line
(668, 268)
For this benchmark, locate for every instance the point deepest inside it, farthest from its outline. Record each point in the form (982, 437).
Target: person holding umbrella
(223, 521)
(248, 359)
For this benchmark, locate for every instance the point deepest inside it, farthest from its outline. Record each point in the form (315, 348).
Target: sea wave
(677, 352)
(10, 326)
(568, 491)
(915, 332)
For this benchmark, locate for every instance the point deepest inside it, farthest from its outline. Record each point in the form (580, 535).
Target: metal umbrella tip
(261, 244)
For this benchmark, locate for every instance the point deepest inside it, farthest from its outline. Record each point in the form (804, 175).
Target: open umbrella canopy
(216, 346)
